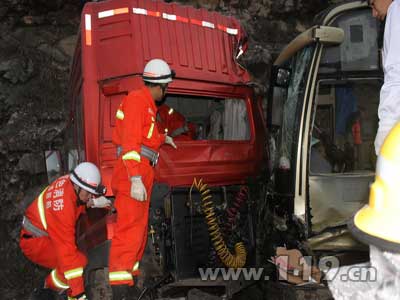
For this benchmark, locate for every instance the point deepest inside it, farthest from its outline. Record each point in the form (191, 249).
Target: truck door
(288, 116)
(285, 123)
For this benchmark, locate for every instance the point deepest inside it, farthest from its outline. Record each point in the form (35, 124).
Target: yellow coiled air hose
(236, 260)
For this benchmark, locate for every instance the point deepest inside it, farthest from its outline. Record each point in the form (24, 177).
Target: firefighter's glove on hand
(138, 191)
(170, 141)
(99, 202)
(79, 297)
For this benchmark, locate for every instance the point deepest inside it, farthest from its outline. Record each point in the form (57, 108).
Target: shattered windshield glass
(299, 65)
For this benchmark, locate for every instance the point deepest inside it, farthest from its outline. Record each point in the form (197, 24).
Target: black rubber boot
(134, 292)
(125, 292)
(43, 294)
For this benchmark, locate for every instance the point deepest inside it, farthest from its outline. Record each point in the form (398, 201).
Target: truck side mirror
(281, 76)
(280, 80)
(53, 164)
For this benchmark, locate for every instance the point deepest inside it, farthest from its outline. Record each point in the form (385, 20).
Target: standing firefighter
(48, 230)
(377, 224)
(138, 141)
(388, 11)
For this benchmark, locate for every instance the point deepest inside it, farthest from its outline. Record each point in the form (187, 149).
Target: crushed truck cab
(214, 95)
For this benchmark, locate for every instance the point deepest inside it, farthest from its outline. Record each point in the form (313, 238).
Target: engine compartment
(189, 228)
(199, 227)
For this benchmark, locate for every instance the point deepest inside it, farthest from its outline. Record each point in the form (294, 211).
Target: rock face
(36, 46)
(35, 53)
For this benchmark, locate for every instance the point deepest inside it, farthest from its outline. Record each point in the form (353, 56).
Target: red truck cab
(117, 38)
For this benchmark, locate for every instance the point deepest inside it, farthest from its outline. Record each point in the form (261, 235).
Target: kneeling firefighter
(138, 140)
(48, 230)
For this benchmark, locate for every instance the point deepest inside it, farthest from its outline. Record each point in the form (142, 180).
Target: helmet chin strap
(78, 200)
(161, 102)
(163, 88)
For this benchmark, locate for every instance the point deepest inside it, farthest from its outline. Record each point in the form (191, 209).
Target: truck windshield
(286, 108)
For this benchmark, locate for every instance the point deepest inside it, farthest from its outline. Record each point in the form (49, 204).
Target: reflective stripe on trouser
(130, 231)
(120, 277)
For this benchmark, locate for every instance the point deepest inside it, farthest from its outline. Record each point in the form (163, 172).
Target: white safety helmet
(157, 71)
(87, 176)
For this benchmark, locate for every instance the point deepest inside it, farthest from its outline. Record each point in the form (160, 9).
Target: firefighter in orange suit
(174, 124)
(48, 230)
(138, 140)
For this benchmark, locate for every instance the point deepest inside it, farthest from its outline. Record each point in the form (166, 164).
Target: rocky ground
(36, 45)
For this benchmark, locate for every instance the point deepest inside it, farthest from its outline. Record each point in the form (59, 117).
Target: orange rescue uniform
(135, 126)
(55, 212)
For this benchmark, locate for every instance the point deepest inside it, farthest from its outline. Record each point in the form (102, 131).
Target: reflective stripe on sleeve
(57, 282)
(149, 135)
(83, 297)
(74, 273)
(171, 110)
(120, 114)
(132, 155)
(135, 267)
(41, 209)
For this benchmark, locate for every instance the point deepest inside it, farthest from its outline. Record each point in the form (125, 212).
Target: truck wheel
(98, 287)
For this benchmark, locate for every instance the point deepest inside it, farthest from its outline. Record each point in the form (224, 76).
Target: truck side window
(74, 146)
(209, 118)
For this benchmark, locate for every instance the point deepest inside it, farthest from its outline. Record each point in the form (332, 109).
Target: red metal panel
(217, 163)
(181, 37)
(90, 89)
(147, 31)
(210, 41)
(138, 47)
(165, 32)
(196, 44)
(124, 42)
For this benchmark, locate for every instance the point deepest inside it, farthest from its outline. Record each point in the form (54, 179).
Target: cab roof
(120, 36)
